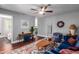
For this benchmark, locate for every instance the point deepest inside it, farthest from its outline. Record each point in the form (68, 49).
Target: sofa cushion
(71, 40)
(66, 38)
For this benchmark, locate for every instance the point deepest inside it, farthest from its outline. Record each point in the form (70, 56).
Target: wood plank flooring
(8, 46)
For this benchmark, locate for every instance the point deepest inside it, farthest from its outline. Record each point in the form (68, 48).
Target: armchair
(57, 37)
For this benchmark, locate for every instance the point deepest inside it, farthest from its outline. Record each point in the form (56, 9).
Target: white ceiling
(25, 8)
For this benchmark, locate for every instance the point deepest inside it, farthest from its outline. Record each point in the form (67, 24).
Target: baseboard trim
(17, 41)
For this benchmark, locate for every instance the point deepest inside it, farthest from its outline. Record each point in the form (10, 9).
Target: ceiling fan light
(41, 12)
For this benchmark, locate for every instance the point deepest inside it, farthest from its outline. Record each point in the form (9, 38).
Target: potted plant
(32, 29)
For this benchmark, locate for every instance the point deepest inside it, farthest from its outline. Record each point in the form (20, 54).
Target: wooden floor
(5, 45)
(8, 46)
(20, 44)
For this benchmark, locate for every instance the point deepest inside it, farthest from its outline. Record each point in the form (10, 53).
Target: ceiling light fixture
(41, 12)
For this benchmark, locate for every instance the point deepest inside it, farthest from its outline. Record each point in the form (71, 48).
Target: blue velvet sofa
(63, 45)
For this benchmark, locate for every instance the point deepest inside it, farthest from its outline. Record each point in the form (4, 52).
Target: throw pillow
(71, 40)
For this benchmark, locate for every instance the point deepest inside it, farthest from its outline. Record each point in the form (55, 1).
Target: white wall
(16, 21)
(68, 18)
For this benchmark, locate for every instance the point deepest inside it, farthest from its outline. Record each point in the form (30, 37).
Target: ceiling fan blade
(46, 7)
(41, 7)
(48, 11)
(49, 4)
(34, 9)
(35, 12)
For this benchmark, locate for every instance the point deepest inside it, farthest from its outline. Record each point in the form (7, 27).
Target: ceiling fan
(43, 9)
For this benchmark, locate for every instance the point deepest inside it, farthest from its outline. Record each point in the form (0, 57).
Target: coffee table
(40, 46)
(42, 43)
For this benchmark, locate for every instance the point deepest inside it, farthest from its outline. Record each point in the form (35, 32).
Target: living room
(41, 21)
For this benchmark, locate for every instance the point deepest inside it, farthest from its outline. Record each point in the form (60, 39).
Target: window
(36, 22)
(6, 26)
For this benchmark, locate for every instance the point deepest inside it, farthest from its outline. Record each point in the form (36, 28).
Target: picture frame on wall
(24, 24)
(60, 24)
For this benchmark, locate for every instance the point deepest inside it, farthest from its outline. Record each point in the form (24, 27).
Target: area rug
(27, 49)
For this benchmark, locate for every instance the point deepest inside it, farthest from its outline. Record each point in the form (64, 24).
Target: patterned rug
(27, 49)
